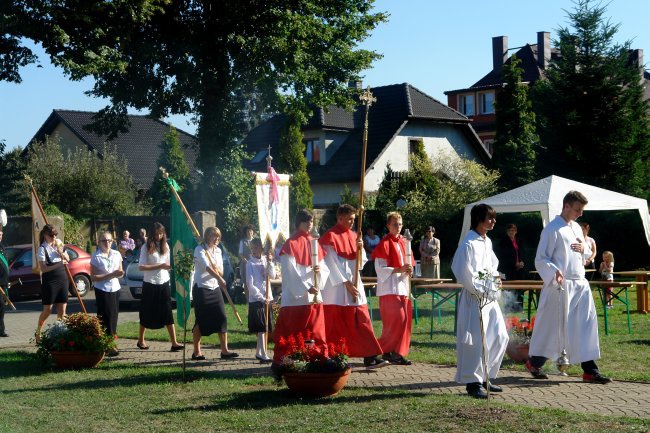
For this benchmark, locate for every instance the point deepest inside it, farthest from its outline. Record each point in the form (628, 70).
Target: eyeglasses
(106, 240)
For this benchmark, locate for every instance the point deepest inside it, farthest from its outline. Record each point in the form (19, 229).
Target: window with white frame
(486, 103)
(466, 104)
(312, 154)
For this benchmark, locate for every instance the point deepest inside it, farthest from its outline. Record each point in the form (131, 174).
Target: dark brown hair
(48, 229)
(345, 210)
(574, 196)
(480, 212)
(151, 242)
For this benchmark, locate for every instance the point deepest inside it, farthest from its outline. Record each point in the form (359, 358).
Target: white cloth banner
(38, 222)
(273, 214)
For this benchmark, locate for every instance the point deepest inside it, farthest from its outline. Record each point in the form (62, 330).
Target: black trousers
(588, 367)
(2, 314)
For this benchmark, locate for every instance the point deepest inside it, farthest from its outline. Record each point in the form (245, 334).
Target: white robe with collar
(475, 255)
(580, 338)
(297, 279)
(340, 271)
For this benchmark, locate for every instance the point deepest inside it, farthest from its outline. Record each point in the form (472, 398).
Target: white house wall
(326, 194)
(441, 138)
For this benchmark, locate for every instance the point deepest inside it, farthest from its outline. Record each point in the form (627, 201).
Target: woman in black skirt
(209, 307)
(105, 269)
(54, 289)
(156, 305)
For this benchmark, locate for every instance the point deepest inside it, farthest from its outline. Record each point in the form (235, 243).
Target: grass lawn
(119, 397)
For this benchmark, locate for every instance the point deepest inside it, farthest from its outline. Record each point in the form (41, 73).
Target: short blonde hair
(393, 216)
(209, 232)
(608, 255)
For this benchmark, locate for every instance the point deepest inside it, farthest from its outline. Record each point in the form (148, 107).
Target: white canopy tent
(545, 196)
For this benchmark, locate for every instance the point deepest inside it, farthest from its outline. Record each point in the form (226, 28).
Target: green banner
(182, 244)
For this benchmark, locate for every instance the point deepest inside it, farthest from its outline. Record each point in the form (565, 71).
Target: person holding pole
(482, 335)
(302, 303)
(393, 281)
(209, 306)
(258, 272)
(54, 289)
(155, 305)
(105, 269)
(560, 260)
(345, 305)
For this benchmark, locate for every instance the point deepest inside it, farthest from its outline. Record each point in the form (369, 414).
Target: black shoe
(387, 356)
(113, 352)
(372, 362)
(176, 348)
(535, 372)
(595, 378)
(4, 334)
(142, 346)
(229, 355)
(474, 390)
(198, 357)
(493, 388)
(263, 360)
(400, 360)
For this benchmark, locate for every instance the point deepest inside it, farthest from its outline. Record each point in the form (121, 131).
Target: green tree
(82, 183)
(292, 160)
(592, 115)
(516, 135)
(14, 195)
(172, 159)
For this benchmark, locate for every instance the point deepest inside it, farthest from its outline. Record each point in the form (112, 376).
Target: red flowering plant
(75, 333)
(520, 330)
(303, 355)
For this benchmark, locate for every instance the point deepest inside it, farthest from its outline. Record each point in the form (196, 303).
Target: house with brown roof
(401, 116)
(477, 100)
(140, 146)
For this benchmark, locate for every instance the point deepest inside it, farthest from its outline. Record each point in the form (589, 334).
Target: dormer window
(312, 153)
(466, 104)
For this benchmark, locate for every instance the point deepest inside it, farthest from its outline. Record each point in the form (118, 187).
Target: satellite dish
(3, 217)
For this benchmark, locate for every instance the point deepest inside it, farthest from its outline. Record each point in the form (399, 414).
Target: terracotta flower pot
(315, 385)
(77, 359)
(517, 352)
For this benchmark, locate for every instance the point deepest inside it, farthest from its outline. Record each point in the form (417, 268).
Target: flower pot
(315, 385)
(517, 352)
(77, 359)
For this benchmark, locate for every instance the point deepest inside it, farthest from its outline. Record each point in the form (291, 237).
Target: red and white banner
(273, 205)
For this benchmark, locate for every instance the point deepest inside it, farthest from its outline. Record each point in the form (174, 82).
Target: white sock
(260, 345)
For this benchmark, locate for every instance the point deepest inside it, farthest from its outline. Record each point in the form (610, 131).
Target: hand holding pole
(314, 262)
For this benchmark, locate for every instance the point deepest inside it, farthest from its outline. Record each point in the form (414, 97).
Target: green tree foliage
(516, 134)
(172, 159)
(80, 182)
(435, 190)
(14, 195)
(292, 160)
(592, 116)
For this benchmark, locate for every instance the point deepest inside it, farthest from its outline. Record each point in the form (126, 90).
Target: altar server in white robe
(475, 255)
(301, 309)
(560, 261)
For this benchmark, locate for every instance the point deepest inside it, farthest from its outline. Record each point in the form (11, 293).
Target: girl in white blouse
(155, 305)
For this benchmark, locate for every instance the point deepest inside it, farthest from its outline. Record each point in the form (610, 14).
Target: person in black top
(510, 254)
(4, 283)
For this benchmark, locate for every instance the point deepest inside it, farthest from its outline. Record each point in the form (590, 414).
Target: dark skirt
(107, 304)
(209, 310)
(156, 306)
(257, 317)
(54, 289)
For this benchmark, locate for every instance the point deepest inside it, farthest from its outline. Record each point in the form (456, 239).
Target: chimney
(499, 51)
(637, 61)
(543, 49)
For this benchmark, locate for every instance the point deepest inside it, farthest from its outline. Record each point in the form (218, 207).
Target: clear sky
(435, 45)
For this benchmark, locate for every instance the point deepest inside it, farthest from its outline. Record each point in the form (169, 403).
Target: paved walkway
(618, 398)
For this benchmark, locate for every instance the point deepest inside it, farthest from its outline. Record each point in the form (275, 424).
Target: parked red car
(25, 282)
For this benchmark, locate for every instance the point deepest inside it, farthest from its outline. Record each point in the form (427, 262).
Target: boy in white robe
(560, 261)
(473, 256)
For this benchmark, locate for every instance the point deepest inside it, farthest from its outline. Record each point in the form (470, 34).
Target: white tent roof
(545, 196)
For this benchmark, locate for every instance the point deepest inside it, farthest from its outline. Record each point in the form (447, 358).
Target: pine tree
(173, 160)
(592, 114)
(292, 160)
(516, 135)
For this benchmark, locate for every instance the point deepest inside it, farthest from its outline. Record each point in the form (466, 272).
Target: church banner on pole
(272, 191)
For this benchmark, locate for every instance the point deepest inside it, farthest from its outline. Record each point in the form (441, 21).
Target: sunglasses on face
(106, 240)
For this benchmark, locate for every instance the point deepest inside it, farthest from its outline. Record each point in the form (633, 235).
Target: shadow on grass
(269, 399)
(434, 345)
(639, 342)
